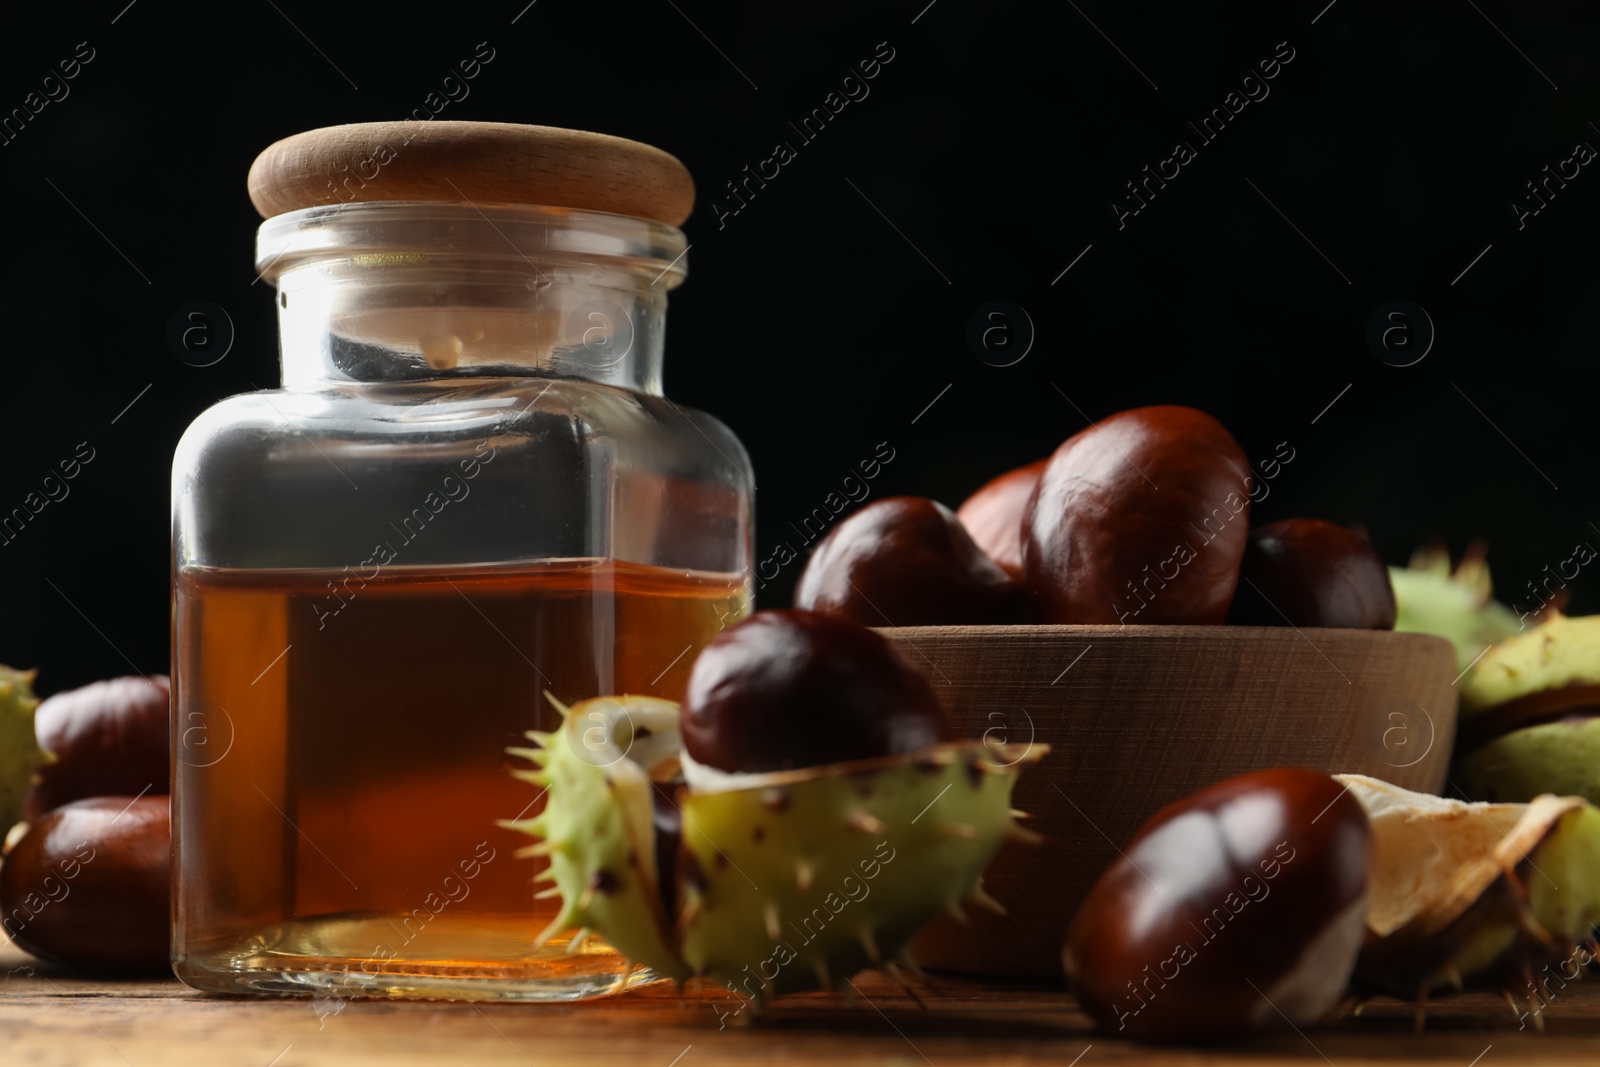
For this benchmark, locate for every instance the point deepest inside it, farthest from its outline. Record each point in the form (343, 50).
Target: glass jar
(469, 493)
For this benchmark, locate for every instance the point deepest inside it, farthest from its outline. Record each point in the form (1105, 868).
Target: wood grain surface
(48, 1017)
(1140, 716)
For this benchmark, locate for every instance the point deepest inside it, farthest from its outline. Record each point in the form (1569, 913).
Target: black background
(826, 316)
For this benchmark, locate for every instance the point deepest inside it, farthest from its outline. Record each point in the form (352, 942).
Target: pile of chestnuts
(85, 881)
(1141, 518)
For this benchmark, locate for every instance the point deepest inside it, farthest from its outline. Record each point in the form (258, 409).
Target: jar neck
(388, 292)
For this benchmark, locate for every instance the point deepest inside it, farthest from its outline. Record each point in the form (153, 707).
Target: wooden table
(49, 1017)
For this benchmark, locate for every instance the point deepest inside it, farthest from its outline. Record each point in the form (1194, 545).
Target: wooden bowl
(1140, 716)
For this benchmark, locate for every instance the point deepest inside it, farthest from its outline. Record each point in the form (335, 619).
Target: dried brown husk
(1474, 895)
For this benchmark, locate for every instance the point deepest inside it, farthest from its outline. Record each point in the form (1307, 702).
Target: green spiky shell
(1567, 906)
(1556, 757)
(788, 881)
(602, 857)
(1562, 652)
(20, 754)
(1430, 598)
(814, 875)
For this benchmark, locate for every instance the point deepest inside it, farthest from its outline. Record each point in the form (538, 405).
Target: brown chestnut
(108, 738)
(1234, 909)
(789, 689)
(1307, 572)
(1141, 518)
(907, 561)
(89, 885)
(993, 515)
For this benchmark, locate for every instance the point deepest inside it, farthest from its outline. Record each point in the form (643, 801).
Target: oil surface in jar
(341, 763)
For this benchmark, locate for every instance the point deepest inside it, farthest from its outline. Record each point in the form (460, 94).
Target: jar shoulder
(414, 416)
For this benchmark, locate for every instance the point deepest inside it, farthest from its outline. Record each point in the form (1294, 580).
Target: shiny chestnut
(108, 738)
(1141, 518)
(1232, 910)
(89, 885)
(993, 515)
(789, 689)
(1307, 572)
(907, 561)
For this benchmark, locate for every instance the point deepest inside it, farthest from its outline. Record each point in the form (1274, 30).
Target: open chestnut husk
(1140, 518)
(1231, 910)
(1503, 897)
(110, 738)
(787, 878)
(908, 561)
(788, 689)
(1307, 572)
(1530, 715)
(994, 514)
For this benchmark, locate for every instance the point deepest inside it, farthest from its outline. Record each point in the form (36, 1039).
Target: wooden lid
(478, 162)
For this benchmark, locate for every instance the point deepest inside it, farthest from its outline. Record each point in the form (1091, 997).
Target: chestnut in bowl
(790, 689)
(1234, 909)
(108, 738)
(1140, 518)
(1307, 572)
(993, 515)
(907, 561)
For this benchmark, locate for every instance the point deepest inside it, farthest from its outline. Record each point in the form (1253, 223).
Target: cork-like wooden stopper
(472, 162)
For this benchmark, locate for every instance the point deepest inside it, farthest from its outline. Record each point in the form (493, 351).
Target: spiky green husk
(1557, 757)
(596, 830)
(1562, 652)
(1430, 598)
(788, 881)
(1567, 906)
(1562, 656)
(1474, 895)
(810, 877)
(20, 754)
